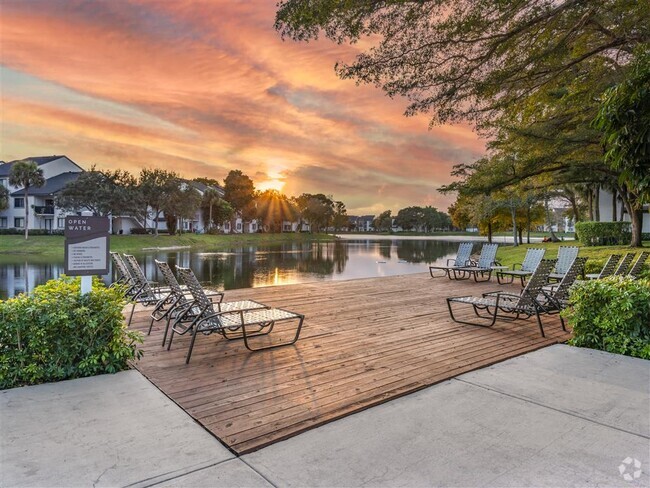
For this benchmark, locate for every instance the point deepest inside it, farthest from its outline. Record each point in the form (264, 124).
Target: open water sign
(86, 245)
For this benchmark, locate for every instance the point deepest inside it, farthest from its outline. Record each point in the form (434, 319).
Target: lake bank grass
(54, 245)
(596, 255)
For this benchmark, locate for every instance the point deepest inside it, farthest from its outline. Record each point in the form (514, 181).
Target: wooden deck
(364, 342)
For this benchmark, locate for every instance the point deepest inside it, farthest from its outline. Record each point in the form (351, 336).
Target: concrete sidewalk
(560, 416)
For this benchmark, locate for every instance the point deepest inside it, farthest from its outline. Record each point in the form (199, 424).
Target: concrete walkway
(560, 416)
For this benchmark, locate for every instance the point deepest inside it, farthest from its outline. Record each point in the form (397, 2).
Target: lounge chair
(557, 294)
(124, 274)
(231, 324)
(624, 265)
(145, 292)
(526, 268)
(565, 257)
(462, 259)
(179, 299)
(608, 269)
(637, 267)
(508, 306)
(484, 265)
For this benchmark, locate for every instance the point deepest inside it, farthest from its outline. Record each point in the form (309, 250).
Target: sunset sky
(205, 87)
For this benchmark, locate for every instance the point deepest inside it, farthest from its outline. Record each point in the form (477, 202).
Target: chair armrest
(514, 266)
(492, 293)
(451, 260)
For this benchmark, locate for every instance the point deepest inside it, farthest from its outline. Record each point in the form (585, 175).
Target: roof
(5, 168)
(52, 185)
(203, 187)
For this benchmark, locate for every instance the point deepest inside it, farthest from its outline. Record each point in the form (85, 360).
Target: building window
(19, 222)
(3, 222)
(238, 225)
(3, 182)
(19, 202)
(60, 222)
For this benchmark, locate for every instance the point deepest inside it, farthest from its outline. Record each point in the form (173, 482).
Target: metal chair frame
(230, 323)
(526, 268)
(624, 265)
(524, 305)
(171, 309)
(608, 268)
(462, 259)
(565, 258)
(557, 294)
(637, 267)
(483, 266)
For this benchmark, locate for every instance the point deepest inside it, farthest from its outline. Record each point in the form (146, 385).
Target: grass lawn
(508, 255)
(54, 245)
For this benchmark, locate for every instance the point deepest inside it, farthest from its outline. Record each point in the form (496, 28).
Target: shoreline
(448, 238)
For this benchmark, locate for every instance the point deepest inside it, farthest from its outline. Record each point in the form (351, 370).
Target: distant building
(58, 171)
(362, 223)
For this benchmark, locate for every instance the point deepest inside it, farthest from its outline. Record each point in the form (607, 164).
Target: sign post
(86, 248)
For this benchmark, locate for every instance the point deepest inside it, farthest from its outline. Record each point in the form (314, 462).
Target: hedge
(57, 334)
(612, 314)
(603, 233)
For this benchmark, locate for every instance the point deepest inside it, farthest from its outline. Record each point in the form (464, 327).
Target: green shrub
(612, 315)
(603, 233)
(57, 334)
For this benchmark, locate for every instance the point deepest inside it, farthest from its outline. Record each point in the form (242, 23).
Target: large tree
(624, 119)
(530, 74)
(26, 174)
(468, 59)
(103, 192)
(182, 203)
(155, 187)
(317, 209)
(239, 191)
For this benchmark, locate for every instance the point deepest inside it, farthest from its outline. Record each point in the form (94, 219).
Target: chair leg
(492, 321)
(166, 330)
(131, 316)
(539, 322)
(293, 341)
(171, 338)
(189, 353)
(562, 322)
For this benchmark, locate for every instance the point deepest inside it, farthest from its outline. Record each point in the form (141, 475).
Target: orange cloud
(203, 87)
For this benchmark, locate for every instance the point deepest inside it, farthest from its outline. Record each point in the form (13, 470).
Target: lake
(255, 266)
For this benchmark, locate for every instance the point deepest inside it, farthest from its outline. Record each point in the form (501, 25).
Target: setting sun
(273, 184)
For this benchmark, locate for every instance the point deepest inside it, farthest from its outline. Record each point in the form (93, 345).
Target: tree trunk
(513, 216)
(590, 204)
(26, 214)
(489, 232)
(636, 217)
(521, 235)
(210, 218)
(576, 211)
(528, 225)
(597, 203)
(155, 226)
(614, 203)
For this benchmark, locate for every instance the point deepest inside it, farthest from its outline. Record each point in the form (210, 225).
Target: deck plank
(364, 342)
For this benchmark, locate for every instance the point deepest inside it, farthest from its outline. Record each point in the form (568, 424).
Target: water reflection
(255, 266)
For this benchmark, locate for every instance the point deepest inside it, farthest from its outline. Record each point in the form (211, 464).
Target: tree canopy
(468, 59)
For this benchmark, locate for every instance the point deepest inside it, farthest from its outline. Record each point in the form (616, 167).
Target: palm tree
(4, 198)
(210, 197)
(26, 174)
